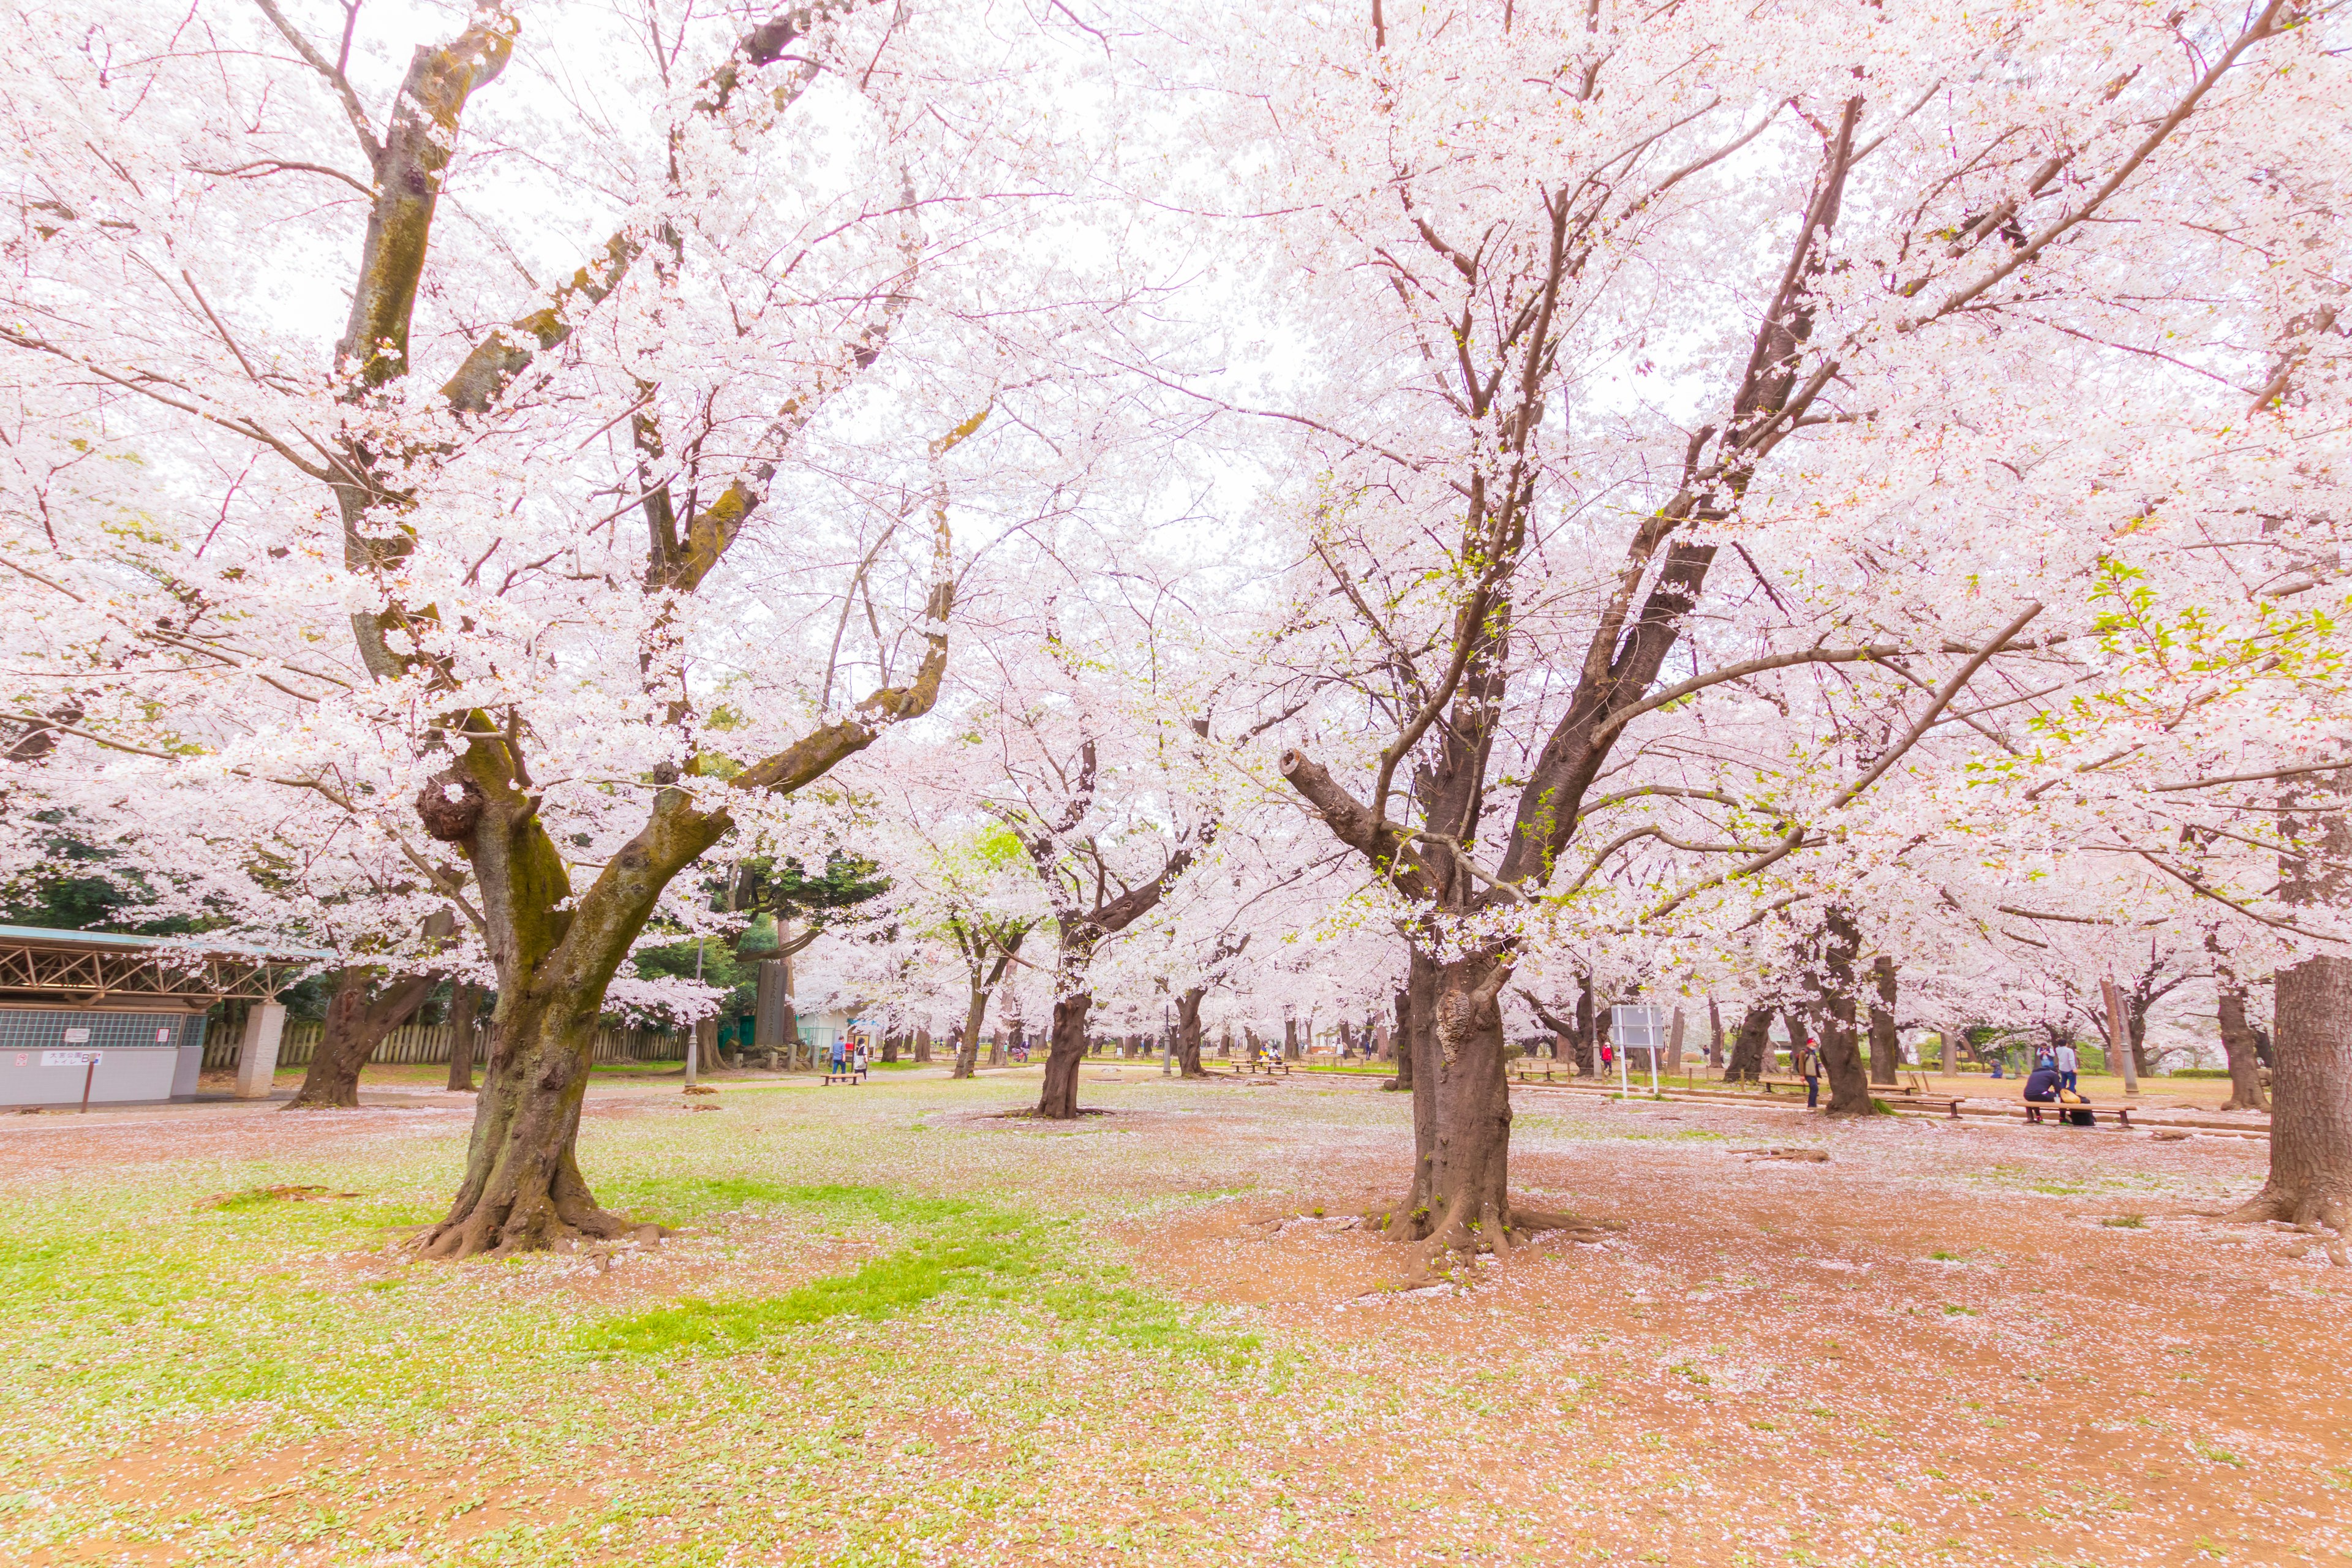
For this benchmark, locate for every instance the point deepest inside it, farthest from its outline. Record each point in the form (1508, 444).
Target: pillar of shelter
(257, 1053)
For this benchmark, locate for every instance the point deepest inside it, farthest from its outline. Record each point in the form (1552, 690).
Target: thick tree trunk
(1714, 1034)
(358, 1018)
(1289, 1039)
(464, 1003)
(1886, 1040)
(1841, 1040)
(1401, 1040)
(1058, 1101)
(1750, 1047)
(2238, 1045)
(1459, 1200)
(523, 1190)
(890, 1047)
(2310, 1180)
(1188, 1033)
(923, 1045)
(2311, 1123)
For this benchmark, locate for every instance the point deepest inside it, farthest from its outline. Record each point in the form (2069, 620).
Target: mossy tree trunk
(556, 950)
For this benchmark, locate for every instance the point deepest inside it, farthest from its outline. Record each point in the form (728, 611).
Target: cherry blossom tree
(517, 532)
(1616, 326)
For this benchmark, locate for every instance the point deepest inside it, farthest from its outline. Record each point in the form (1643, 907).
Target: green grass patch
(961, 1250)
(981, 1258)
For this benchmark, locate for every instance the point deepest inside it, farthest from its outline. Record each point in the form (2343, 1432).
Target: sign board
(76, 1037)
(162, 1037)
(71, 1058)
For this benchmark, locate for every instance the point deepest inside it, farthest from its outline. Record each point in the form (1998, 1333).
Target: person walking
(1809, 1068)
(2067, 1064)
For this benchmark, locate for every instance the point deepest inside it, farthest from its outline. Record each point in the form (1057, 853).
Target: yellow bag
(2068, 1097)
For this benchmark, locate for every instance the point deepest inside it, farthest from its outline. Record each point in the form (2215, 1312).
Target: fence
(428, 1043)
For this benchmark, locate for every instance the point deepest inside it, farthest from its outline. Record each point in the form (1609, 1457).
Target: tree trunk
(1841, 1041)
(1059, 1100)
(2238, 1045)
(1587, 1034)
(975, 1012)
(1714, 1034)
(2135, 1010)
(2311, 1046)
(522, 1189)
(890, 1047)
(1460, 1200)
(356, 1025)
(1188, 1033)
(2311, 1124)
(1750, 1047)
(465, 1002)
(1289, 1039)
(1885, 1043)
(923, 1045)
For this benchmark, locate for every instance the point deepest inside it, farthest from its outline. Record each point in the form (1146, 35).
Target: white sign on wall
(71, 1058)
(76, 1037)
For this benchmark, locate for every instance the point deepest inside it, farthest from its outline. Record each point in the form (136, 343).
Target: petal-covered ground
(895, 1327)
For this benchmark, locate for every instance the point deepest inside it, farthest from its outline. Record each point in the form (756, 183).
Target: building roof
(92, 969)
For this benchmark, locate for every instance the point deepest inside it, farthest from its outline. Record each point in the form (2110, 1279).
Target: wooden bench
(1949, 1104)
(1270, 1065)
(833, 1078)
(2032, 1111)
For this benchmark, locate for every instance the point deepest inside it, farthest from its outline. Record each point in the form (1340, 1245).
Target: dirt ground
(1993, 1344)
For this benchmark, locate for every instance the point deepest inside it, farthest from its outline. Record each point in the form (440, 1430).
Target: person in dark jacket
(2041, 1088)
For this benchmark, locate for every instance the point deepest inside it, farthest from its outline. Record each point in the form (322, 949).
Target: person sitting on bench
(2041, 1088)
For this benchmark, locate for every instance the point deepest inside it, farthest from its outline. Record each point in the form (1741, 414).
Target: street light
(694, 1031)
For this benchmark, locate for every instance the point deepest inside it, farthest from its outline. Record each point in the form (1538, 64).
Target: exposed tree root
(1439, 1240)
(509, 1217)
(2314, 1212)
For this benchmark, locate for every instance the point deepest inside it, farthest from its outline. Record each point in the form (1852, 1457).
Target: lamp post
(694, 1033)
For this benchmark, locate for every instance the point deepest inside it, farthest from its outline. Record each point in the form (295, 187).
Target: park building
(94, 1017)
